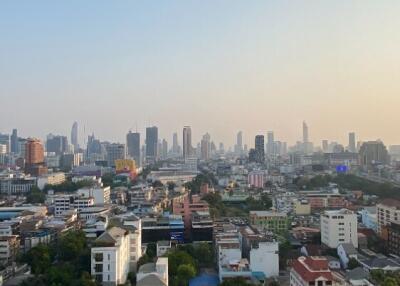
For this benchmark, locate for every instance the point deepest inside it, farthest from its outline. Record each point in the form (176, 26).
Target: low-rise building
(101, 195)
(270, 221)
(50, 179)
(312, 270)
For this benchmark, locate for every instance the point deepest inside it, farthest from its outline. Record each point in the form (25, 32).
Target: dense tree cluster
(200, 179)
(184, 262)
(379, 277)
(64, 263)
(35, 196)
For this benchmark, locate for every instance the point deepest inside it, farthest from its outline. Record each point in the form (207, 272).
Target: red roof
(312, 268)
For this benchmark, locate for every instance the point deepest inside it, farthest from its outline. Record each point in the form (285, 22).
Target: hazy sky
(219, 66)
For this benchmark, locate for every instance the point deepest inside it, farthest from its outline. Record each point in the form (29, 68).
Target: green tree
(176, 258)
(204, 254)
(389, 281)
(185, 272)
(72, 245)
(353, 263)
(35, 196)
(151, 250)
(38, 258)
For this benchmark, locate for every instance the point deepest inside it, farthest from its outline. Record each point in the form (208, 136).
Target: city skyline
(218, 67)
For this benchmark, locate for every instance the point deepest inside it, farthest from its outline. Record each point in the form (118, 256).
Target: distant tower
(305, 132)
(270, 143)
(325, 146)
(259, 148)
(175, 146)
(151, 144)
(205, 147)
(187, 142)
(239, 143)
(74, 136)
(133, 146)
(14, 142)
(352, 142)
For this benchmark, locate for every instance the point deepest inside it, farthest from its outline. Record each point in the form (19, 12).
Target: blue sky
(219, 66)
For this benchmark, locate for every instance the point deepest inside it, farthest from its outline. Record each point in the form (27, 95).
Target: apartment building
(110, 257)
(388, 211)
(338, 227)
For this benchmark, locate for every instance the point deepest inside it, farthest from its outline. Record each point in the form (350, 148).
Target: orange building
(34, 157)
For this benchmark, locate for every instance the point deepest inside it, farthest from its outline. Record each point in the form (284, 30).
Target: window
(109, 256)
(98, 267)
(98, 257)
(320, 283)
(108, 267)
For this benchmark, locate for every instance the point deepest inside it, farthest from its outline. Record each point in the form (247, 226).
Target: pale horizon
(220, 67)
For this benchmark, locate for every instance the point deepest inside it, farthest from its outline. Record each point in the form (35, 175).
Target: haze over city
(218, 66)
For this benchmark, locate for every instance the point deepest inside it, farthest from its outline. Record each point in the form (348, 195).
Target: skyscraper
(175, 145)
(5, 140)
(239, 143)
(325, 146)
(352, 142)
(34, 157)
(373, 153)
(270, 143)
(74, 136)
(259, 148)
(305, 132)
(14, 142)
(205, 147)
(164, 149)
(115, 151)
(151, 144)
(187, 142)
(133, 146)
(57, 144)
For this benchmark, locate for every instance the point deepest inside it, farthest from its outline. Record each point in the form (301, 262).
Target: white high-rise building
(339, 226)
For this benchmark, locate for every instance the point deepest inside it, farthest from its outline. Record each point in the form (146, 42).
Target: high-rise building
(187, 142)
(205, 147)
(270, 143)
(164, 149)
(239, 143)
(74, 136)
(373, 153)
(34, 157)
(133, 146)
(305, 132)
(5, 140)
(325, 146)
(115, 151)
(14, 142)
(259, 148)
(175, 145)
(57, 144)
(352, 142)
(151, 144)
